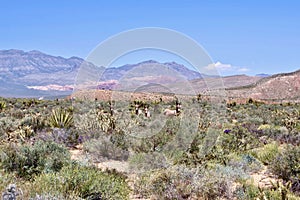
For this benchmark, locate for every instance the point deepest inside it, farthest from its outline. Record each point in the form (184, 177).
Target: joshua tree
(169, 112)
(2, 106)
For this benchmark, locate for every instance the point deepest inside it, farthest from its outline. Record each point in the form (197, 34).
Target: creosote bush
(27, 160)
(82, 182)
(179, 182)
(267, 154)
(286, 166)
(67, 137)
(103, 149)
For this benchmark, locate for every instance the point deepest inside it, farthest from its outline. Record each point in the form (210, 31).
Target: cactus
(282, 188)
(24, 132)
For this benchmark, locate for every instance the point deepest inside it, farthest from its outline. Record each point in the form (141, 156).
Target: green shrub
(267, 154)
(103, 149)
(238, 139)
(245, 162)
(27, 160)
(8, 124)
(18, 114)
(142, 162)
(179, 182)
(250, 191)
(82, 182)
(286, 165)
(67, 137)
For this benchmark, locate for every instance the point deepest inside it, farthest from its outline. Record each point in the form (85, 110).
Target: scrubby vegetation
(208, 151)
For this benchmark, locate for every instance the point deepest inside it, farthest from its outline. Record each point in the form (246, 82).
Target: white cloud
(243, 69)
(225, 68)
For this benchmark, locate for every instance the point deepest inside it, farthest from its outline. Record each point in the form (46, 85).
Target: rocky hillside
(34, 67)
(279, 87)
(210, 83)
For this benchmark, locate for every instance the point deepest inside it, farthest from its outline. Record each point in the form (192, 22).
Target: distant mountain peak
(11, 51)
(173, 63)
(34, 52)
(148, 62)
(75, 58)
(262, 75)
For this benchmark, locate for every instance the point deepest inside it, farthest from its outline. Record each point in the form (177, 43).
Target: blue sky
(242, 36)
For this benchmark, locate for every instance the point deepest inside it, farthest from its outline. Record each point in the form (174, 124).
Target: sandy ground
(263, 178)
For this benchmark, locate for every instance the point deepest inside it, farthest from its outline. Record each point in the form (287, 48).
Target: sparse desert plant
(238, 139)
(51, 196)
(245, 162)
(278, 191)
(8, 125)
(267, 154)
(179, 182)
(102, 149)
(96, 122)
(18, 114)
(82, 183)
(286, 166)
(228, 150)
(67, 137)
(27, 160)
(36, 121)
(142, 162)
(61, 118)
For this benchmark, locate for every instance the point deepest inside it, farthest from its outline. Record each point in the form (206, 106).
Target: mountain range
(33, 73)
(36, 74)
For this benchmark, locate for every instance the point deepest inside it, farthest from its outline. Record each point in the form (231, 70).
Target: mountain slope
(116, 73)
(283, 86)
(35, 67)
(33, 72)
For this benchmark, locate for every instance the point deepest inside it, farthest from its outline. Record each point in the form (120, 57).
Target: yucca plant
(2, 106)
(61, 119)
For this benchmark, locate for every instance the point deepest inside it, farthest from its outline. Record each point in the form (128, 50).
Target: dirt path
(263, 178)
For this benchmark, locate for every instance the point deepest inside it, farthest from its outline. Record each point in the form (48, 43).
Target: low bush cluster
(286, 166)
(208, 156)
(82, 182)
(180, 182)
(27, 160)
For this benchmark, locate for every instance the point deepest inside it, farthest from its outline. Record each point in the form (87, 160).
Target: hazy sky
(241, 36)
